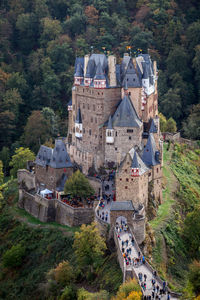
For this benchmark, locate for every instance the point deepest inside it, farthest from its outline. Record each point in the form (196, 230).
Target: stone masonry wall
(129, 187)
(123, 142)
(27, 178)
(50, 177)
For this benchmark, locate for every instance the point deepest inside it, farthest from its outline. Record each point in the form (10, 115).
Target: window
(120, 179)
(116, 133)
(129, 93)
(129, 130)
(91, 119)
(88, 106)
(95, 120)
(115, 149)
(83, 130)
(131, 179)
(126, 187)
(157, 170)
(93, 107)
(133, 79)
(127, 179)
(83, 105)
(90, 131)
(129, 137)
(125, 170)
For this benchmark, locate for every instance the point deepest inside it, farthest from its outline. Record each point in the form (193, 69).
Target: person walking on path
(145, 277)
(143, 259)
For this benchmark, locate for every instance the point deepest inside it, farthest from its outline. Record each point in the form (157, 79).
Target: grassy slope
(169, 255)
(46, 245)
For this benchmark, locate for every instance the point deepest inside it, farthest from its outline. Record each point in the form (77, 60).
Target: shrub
(13, 257)
(69, 293)
(63, 273)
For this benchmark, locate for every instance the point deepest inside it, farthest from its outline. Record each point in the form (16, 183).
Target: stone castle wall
(123, 142)
(54, 210)
(49, 176)
(26, 178)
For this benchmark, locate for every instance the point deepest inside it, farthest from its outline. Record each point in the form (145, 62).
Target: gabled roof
(122, 205)
(60, 158)
(130, 76)
(153, 128)
(99, 73)
(79, 71)
(56, 158)
(149, 152)
(79, 61)
(137, 162)
(78, 116)
(126, 115)
(110, 123)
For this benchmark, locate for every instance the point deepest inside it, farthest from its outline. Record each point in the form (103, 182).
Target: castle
(113, 120)
(112, 123)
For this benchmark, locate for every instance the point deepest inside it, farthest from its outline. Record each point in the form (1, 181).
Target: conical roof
(99, 73)
(90, 69)
(135, 163)
(125, 86)
(126, 115)
(79, 71)
(148, 155)
(153, 128)
(78, 116)
(110, 123)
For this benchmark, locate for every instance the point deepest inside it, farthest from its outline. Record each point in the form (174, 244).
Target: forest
(39, 40)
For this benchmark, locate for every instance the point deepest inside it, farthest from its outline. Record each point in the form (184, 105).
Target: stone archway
(121, 220)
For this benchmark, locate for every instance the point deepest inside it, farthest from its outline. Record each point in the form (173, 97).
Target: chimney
(86, 59)
(112, 70)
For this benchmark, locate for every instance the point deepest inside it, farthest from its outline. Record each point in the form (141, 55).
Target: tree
(78, 186)
(19, 159)
(85, 295)
(129, 290)
(89, 248)
(13, 257)
(50, 30)
(191, 127)
(194, 276)
(163, 122)
(171, 125)
(63, 273)
(37, 130)
(5, 157)
(191, 232)
(1, 172)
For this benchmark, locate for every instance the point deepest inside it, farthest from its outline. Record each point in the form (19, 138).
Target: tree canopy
(78, 186)
(89, 248)
(19, 159)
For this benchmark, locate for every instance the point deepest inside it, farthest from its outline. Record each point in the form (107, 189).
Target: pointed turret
(109, 132)
(78, 76)
(135, 165)
(99, 78)
(89, 73)
(78, 124)
(150, 154)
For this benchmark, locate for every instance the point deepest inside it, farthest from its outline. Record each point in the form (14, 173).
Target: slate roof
(70, 102)
(97, 65)
(91, 68)
(78, 116)
(131, 76)
(99, 73)
(110, 123)
(60, 157)
(149, 152)
(61, 185)
(55, 158)
(44, 155)
(79, 71)
(126, 115)
(137, 162)
(122, 205)
(79, 60)
(153, 128)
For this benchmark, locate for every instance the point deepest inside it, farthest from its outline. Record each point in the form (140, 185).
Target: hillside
(177, 236)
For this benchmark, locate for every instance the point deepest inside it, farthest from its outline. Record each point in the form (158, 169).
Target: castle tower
(112, 70)
(151, 157)
(132, 180)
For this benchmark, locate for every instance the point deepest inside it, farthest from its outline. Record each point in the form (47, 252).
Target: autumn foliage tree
(19, 159)
(89, 248)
